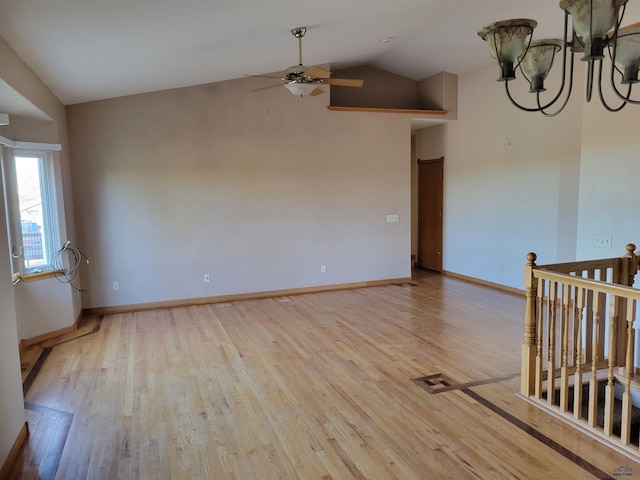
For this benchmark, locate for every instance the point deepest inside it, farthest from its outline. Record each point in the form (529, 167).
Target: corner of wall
(440, 92)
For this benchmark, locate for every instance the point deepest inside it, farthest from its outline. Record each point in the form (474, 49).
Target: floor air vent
(434, 383)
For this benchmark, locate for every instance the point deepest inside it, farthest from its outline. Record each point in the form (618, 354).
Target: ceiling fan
(302, 80)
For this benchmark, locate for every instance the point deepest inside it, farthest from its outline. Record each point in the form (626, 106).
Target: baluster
(613, 339)
(630, 267)
(551, 364)
(593, 382)
(527, 376)
(564, 368)
(539, 342)
(588, 334)
(602, 325)
(577, 389)
(625, 434)
(573, 292)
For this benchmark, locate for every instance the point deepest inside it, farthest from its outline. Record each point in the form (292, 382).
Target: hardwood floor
(400, 382)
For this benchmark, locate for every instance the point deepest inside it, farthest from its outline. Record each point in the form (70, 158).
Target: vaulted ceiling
(86, 50)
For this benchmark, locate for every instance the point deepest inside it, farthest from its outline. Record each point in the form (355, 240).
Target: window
(31, 200)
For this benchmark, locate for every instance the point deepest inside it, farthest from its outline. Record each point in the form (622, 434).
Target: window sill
(34, 277)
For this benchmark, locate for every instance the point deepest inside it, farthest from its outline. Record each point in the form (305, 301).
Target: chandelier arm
(623, 10)
(566, 98)
(602, 100)
(542, 108)
(516, 104)
(612, 58)
(625, 98)
(612, 55)
(590, 72)
(564, 69)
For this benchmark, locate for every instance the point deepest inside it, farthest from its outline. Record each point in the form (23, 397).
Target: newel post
(626, 344)
(528, 358)
(630, 265)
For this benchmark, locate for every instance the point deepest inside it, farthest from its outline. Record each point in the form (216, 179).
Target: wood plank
(308, 386)
(8, 467)
(336, 108)
(242, 296)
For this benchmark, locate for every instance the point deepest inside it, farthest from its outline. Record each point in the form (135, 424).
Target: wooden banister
(529, 346)
(595, 285)
(579, 328)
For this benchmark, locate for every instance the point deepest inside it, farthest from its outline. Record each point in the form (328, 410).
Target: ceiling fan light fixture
(300, 89)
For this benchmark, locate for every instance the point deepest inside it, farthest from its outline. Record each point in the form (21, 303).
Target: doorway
(430, 203)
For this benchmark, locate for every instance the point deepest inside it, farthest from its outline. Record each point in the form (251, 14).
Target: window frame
(51, 193)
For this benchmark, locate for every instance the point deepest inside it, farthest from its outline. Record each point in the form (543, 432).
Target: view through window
(34, 200)
(30, 201)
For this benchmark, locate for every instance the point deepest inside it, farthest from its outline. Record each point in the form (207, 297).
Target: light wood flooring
(318, 386)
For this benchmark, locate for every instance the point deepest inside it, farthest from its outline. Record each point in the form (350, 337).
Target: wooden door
(430, 194)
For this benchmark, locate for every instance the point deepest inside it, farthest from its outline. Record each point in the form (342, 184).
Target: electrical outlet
(207, 277)
(393, 218)
(323, 269)
(116, 286)
(602, 240)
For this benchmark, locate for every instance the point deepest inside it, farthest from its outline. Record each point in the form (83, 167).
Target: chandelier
(511, 45)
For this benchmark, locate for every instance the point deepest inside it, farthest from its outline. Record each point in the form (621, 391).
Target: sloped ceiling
(86, 50)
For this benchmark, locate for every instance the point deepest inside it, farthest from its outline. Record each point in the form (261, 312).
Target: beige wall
(28, 310)
(511, 181)
(381, 89)
(258, 189)
(517, 182)
(47, 305)
(11, 402)
(440, 92)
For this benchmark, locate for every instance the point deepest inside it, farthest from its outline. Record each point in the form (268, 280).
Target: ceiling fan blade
(343, 82)
(267, 87)
(316, 72)
(274, 75)
(317, 91)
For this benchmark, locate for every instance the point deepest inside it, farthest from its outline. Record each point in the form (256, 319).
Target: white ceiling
(94, 49)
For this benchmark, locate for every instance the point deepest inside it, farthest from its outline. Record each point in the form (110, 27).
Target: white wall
(511, 182)
(256, 188)
(609, 186)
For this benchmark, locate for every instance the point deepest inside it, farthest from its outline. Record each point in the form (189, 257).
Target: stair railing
(579, 339)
